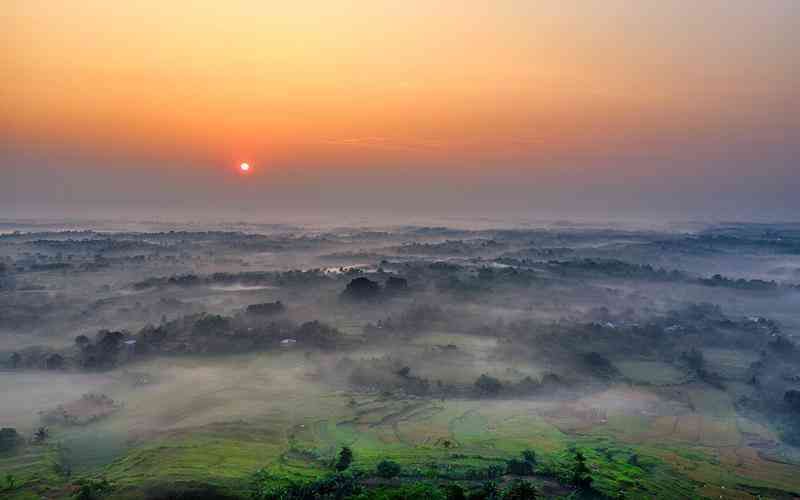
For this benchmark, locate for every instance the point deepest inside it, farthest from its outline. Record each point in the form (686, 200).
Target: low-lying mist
(114, 343)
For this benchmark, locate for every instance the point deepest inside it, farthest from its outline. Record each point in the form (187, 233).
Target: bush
(481, 474)
(345, 459)
(362, 289)
(489, 491)
(336, 486)
(529, 456)
(11, 482)
(600, 365)
(266, 309)
(420, 491)
(92, 489)
(494, 471)
(455, 492)
(488, 385)
(388, 469)
(396, 285)
(41, 435)
(517, 467)
(519, 490)
(582, 475)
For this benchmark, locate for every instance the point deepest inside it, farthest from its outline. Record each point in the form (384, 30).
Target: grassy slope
(675, 457)
(34, 470)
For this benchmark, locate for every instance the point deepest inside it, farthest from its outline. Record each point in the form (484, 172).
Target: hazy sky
(594, 106)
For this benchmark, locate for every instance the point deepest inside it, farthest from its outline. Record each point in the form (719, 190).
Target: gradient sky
(590, 105)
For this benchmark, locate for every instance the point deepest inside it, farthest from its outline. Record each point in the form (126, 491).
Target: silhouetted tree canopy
(361, 289)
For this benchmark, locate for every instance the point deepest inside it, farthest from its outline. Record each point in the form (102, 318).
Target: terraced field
(196, 427)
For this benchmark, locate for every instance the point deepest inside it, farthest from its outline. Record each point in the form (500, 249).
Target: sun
(244, 167)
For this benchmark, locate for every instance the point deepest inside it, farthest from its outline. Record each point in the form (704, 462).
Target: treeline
(277, 278)
(514, 479)
(509, 480)
(192, 334)
(452, 247)
(771, 240)
(614, 268)
(387, 374)
(97, 245)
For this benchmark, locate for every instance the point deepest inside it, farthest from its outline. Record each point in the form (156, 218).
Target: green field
(213, 423)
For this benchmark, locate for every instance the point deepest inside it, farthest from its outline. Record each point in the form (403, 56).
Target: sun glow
(244, 167)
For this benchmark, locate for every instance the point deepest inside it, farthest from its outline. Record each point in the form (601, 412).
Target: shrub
(582, 475)
(266, 309)
(455, 492)
(362, 289)
(494, 471)
(488, 385)
(519, 490)
(489, 491)
(529, 456)
(345, 459)
(388, 469)
(11, 482)
(336, 486)
(519, 467)
(92, 489)
(41, 435)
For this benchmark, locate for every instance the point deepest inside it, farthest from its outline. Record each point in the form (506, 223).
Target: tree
(92, 489)
(529, 456)
(519, 467)
(11, 482)
(695, 360)
(82, 341)
(582, 475)
(211, 325)
(54, 362)
(494, 471)
(455, 492)
(416, 491)
(317, 334)
(792, 398)
(338, 486)
(600, 365)
(266, 309)
(14, 360)
(396, 285)
(388, 469)
(41, 435)
(345, 459)
(9, 439)
(519, 490)
(361, 289)
(488, 385)
(490, 491)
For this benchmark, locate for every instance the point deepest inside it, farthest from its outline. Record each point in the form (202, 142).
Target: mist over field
(153, 359)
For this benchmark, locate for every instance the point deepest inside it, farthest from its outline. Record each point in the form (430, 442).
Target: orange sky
(456, 86)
